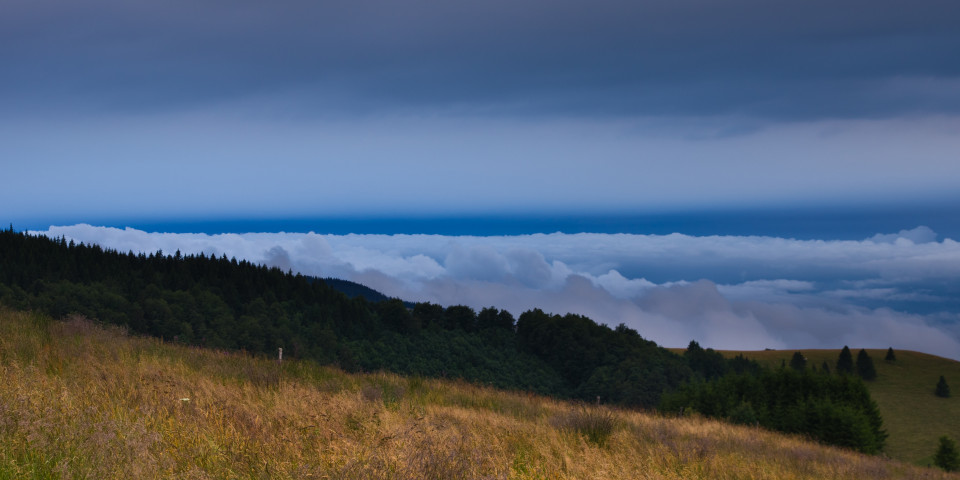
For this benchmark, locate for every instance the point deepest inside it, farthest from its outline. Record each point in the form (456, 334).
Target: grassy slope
(78, 401)
(913, 416)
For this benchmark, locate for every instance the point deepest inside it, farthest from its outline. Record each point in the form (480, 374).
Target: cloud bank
(730, 292)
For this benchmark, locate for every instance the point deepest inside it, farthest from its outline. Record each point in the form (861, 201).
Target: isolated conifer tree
(943, 390)
(825, 368)
(891, 357)
(947, 456)
(798, 362)
(845, 362)
(865, 366)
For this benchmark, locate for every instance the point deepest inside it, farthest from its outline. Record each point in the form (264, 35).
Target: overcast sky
(175, 109)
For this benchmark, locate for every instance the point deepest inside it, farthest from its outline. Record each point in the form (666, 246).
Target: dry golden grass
(80, 401)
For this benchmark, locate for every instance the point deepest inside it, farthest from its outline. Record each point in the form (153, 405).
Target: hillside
(354, 289)
(82, 401)
(913, 416)
(228, 304)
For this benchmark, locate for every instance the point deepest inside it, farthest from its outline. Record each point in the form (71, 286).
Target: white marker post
(280, 357)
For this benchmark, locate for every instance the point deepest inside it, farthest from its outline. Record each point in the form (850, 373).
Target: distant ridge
(354, 289)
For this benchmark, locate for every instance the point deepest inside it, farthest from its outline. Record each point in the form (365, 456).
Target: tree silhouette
(891, 357)
(943, 390)
(845, 362)
(865, 366)
(798, 362)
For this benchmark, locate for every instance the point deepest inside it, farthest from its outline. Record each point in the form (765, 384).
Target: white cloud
(724, 291)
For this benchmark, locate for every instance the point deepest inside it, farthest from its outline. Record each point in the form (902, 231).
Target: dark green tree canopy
(836, 410)
(707, 363)
(845, 362)
(865, 367)
(460, 316)
(798, 362)
(490, 317)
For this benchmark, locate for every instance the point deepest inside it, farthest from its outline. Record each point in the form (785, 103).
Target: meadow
(80, 400)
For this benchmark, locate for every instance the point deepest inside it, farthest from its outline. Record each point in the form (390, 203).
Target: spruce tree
(891, 357)
(798, 362)
(943, 390)
(947, 456)
(865, 366)
(845, 362)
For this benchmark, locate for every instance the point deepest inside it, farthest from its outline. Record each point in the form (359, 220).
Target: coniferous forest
(216, 302)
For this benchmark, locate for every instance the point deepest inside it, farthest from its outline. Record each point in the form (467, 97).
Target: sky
(745, 122)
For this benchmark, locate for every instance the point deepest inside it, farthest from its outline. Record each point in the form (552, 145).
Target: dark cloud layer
(750, 57)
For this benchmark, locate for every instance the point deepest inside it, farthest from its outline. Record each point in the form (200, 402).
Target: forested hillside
(228, 304)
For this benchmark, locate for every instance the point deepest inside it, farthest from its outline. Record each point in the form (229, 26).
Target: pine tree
(798, 362)
(845, 362)
(943, 390)
(891, 357)
(865, 366)
(947, 456)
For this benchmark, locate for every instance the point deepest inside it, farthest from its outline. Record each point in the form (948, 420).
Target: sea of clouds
(728, 292)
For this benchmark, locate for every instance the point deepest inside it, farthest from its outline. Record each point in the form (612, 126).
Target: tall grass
(81, 401)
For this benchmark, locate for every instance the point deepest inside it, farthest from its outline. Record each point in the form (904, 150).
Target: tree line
(221, 302)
